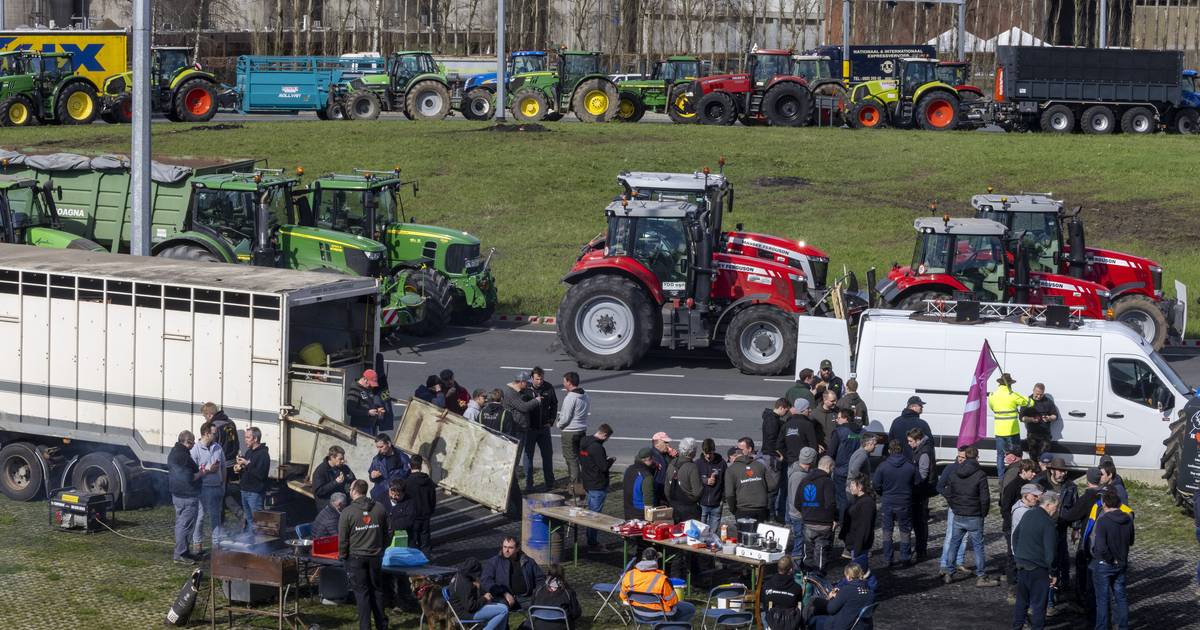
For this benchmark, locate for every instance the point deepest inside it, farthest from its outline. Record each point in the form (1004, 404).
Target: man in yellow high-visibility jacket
(1006, 409)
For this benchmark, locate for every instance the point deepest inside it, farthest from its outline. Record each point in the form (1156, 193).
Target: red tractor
(768, 92)
(1056, 243)
(958, 74)
(664, 273)
(954, 257)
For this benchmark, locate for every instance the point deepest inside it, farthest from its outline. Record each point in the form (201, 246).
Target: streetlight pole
(140, 149)
(501, 80)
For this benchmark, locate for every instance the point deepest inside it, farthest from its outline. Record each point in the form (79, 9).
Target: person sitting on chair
(841, 609)
(557, 593)
(511, 572)
(646, 577)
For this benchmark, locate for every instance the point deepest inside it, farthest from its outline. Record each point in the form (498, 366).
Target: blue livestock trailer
(287, 85)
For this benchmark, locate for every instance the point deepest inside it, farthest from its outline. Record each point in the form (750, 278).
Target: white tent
(947, 42)
(1014, 37)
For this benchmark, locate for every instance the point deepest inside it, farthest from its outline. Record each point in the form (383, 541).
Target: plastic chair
(304, 531)
(606, 592)
(643, 617)
(865, 616)
(546, 614)
(673, 625)
(727, 617)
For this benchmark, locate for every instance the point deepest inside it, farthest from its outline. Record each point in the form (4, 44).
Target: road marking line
(405, 362)
(778, 380)
(701, 418)
(518, 367)
(725, 397)
(653, 374)
(542, 332)
(718, 441)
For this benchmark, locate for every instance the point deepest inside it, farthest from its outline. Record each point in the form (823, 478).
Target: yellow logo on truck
(96, 54)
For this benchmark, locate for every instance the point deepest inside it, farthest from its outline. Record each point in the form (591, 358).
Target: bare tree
(581, 17)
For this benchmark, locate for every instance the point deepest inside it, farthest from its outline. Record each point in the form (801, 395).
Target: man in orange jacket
(646, 577)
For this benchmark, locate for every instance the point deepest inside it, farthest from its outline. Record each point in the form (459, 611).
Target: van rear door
(1069, 367)
(820, 338)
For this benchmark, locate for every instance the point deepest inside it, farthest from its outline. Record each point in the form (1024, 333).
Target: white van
(1114, 393)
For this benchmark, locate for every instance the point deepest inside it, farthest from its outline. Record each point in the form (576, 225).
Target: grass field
(538, 197)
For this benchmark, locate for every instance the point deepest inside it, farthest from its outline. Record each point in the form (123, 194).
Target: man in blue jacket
(511, 572)
(389, 463)
(895, 479)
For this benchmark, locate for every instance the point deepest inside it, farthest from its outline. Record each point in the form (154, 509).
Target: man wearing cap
(1055, 478)
(1012, 455)
(638, 485)
(364, 408)
(662, 454)
(1006, 405)
(748, 483)
(1039, 418)
(909, 419)
(831, 381)
(522, 410)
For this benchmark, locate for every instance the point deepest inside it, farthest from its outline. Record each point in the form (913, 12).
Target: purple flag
(974, 420)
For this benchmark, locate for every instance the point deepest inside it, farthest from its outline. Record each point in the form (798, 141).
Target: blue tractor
(480, 90)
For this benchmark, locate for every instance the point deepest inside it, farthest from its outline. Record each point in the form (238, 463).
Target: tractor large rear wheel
(595, 100)
(438, 306)
(1142, 315)
(1181, 446)
(196, 101)
(77, 105)
(788, 105)
(716, 108)
(189, 252)
(681, 104)
(479, 105)
(17, 111)
(428, 100)
(630, 107)
(761, 340)
(606, 322)
(362, 105)
(938, 112)
(529, 105)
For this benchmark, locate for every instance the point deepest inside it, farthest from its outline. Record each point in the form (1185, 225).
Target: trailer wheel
(761, 340)
(529, 105)
(1098, 120)
(868, 114)
(189, 252)
(788, 105)
(1173, 461)
(438, 306)
(1058, 119)
(606, 322)
(96, 473)
(362, 105)
(1138, 120)
(1185, 121)
(76, 105)
(716, 108)
(1142, 315)
(21, 474)
(630, 107)
(196, 101)
(17, 111)
(938, 112)
(680, 106)
(478, 105)
(595, 100)
(428, 100)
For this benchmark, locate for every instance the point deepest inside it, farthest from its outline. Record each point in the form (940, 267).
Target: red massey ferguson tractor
(767, 92)
(664, 273)
(1056, 244)
(972, 256)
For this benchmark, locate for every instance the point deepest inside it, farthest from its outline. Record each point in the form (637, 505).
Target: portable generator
(78, 511)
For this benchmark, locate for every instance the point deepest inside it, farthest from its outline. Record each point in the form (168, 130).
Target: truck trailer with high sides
(1115, 395)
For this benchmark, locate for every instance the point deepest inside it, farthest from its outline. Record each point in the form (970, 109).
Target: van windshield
(1171, 375)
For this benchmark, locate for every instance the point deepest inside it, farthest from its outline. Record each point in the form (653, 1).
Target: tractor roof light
(990, 189)
(706, 170)
(1108, 314)
(946, 219)
(299, 171)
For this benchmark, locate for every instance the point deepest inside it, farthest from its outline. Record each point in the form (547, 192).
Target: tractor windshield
(677, 70)
(11, 65)
(812, 69)
(348, 211)
(977, 261)
(27, 200)
(918, 73)
(412, 65)
(1188, 84)
(171, 61)
(767, 67)
(527, 63)
(1038, 232)
(580, 65)
(953, 74)
(229, 212)
(661, 245)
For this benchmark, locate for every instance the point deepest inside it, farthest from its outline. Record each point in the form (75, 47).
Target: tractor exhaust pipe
(1021, 273)
(1077, 258)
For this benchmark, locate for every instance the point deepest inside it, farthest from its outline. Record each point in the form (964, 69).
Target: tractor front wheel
(761, 340)
(716, 108)
(1186, 121)
(867, 115)
(607, 322)
(196, 101)
(1145, 318)
(438, 305)
(478, 105)
(1181, 446)
(681, 104)
(529, 105)
(788, 105)
(428, 100)
(77, 105)
(630, 107)
(362, 105)
(938, 112)
(193, 253)
(595, 100)
(17, 111)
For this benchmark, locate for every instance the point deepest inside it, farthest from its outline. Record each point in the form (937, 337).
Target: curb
(532, 319)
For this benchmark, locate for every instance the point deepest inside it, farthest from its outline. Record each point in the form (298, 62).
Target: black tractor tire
(938, 112)
(123, 109)
(21, 474)
(916, 301)
(552, 117)
(761, 340)
(830, 90)
(195, 253)
(97, 473)
(17, 111)
(1098, 120)
(1142, 315)
(585, 92)
(62, 112)
(788, 105)
(195, 101)
(867, 114)
(1176, 443)
(598, 302)
(107, 116)
(681, 107)
(1138, 121)
(474, 316)
(479, 104)
(1058, 119)
(1186, 121)
(630, 107)
(334, 110)
(438, 307)
(716, 108)
(427, 100)
(362, 105)
(529, 105)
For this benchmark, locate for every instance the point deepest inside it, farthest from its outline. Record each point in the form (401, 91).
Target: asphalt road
(233, 117)
(694, 394)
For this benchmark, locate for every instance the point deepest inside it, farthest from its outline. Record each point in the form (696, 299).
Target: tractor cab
(763, 65)
(573, 66)
(663, 236)
(24, 206)
(246, 210)
(813, 67)
(1034, 219)
(915, 72)
(526, 61)
(958, 75)
(674, 69)
(970, 251)
(13, 63)
(404, 66)
(168, 61)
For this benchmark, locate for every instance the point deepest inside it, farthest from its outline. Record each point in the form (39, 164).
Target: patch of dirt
(216, 127)
(782, 182)
(1141, 221)
(519, 127)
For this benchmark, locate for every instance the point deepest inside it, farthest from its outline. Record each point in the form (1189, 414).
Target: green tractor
(44, 87)
(443, 267)
(179, 89)
(664, 92)
(414, 85)
(578, 84)
(829, 93)
(917, 98)
(28, 216)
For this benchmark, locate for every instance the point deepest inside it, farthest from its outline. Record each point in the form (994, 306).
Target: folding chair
(607, 592)
(642, 617)
(727, 617)
(865, 616)
(673, 625)
(546, 615)
(463, 624)
(304, 530)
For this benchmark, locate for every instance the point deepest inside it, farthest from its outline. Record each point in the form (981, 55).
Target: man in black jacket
(858, 528)
(254, 466)
(540, 421)
(364, 408)
(1033, 546)
(184, 483)
(711, 467)
(780, 591)
(361, 530)
(326, 522)
(926, 463)
(817, 503)
(908, 419)
(331, 475)
(522, 410)
(638, 486)
(773, 419)
(594, 464)
(511, 572)
(1112, 536)
(421, 490)
(799, 432)
(967, 494)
